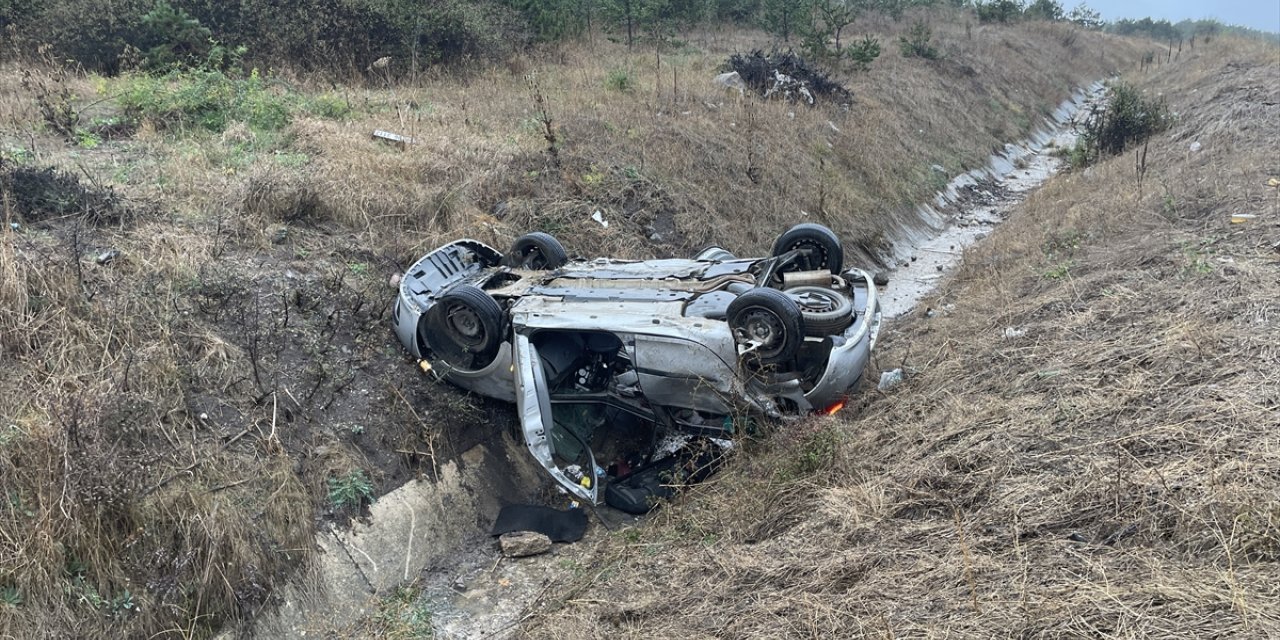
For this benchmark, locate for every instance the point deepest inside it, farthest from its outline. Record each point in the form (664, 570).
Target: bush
(336, 36)
(1126, 119)
(207, 99)
(918, 42)
(620, 80)
(863, 52)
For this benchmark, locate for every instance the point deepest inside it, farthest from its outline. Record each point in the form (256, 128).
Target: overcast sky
(1258, 14)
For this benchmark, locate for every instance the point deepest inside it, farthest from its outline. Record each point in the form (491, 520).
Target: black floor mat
(561, 526)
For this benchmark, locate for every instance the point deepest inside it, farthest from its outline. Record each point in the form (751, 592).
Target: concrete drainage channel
(434, 533)
(973, 203)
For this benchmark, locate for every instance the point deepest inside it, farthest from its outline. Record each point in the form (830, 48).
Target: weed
(350, 491)
(10, 596)
(87, 139)
(620, 80)
(327, 105)
(1059, 271)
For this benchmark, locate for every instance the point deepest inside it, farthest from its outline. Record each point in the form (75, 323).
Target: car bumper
(849, 358)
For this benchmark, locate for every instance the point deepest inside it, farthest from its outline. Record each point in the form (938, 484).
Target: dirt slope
(1107, 468)
(197, 368)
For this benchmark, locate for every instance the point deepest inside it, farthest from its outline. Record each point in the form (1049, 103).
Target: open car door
(548, 442)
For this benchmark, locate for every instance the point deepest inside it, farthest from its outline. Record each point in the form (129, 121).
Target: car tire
(537, 251)
(714, 253)
(826, 312)
(465, 327)
(828, 253)
(771, 316)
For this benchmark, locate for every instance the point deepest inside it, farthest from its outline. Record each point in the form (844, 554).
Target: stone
(520, 544)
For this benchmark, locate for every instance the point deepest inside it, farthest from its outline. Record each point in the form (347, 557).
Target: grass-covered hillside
(196, 370)
(1085, 444)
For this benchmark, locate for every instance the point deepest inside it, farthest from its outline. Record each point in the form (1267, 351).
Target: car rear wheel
(826, 311)
(537, 251)
(465, 327)
(769, 322)
(821, 248)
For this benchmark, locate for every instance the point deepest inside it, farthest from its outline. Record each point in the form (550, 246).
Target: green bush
(863, 52)
(919, 42)
(1127, 118)
(333, 36)
(206, 99)
(170, 37)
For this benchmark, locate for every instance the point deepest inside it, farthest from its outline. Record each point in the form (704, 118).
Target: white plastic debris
(599, 217)
(1195, 146)
(1014, 332)
(890, 379)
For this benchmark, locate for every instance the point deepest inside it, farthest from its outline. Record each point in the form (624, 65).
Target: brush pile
(787, 76)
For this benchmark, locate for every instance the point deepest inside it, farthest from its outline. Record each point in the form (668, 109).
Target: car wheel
(538, 251)
(823, 248)
(465, 327)
(826, 311)
(769, 319)
(714, 253)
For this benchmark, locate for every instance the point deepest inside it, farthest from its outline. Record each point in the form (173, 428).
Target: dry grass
(170, 417)
(1111, 473)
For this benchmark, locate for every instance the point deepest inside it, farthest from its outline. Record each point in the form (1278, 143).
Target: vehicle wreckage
(605, 357)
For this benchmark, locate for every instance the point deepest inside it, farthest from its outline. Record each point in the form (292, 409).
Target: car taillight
(831, 410)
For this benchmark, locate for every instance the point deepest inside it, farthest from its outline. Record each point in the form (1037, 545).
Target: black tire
(826, 312)
(715, 253)
(537, 251)
(770, 316)
(464, 327)
(825, 251)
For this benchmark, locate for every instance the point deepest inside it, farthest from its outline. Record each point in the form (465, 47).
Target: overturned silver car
(604, 357)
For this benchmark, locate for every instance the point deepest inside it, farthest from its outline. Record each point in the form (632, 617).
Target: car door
(541, 433)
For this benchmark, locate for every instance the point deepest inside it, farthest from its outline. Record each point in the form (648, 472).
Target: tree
(1044, 10)
(1085, 17)
(825, 25)
(783, 18)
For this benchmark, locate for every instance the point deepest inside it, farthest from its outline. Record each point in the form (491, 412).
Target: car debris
(890, 379)
(604, 358)
(393, 138)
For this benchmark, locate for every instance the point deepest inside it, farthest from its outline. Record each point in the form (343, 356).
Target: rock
(939, 267)
(890, 379)
(395, 280)
(501, 210)
(1014, 332)
(519, 544)
(279, 233)
(880, 279)
(1195, 146)
(731, 80)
